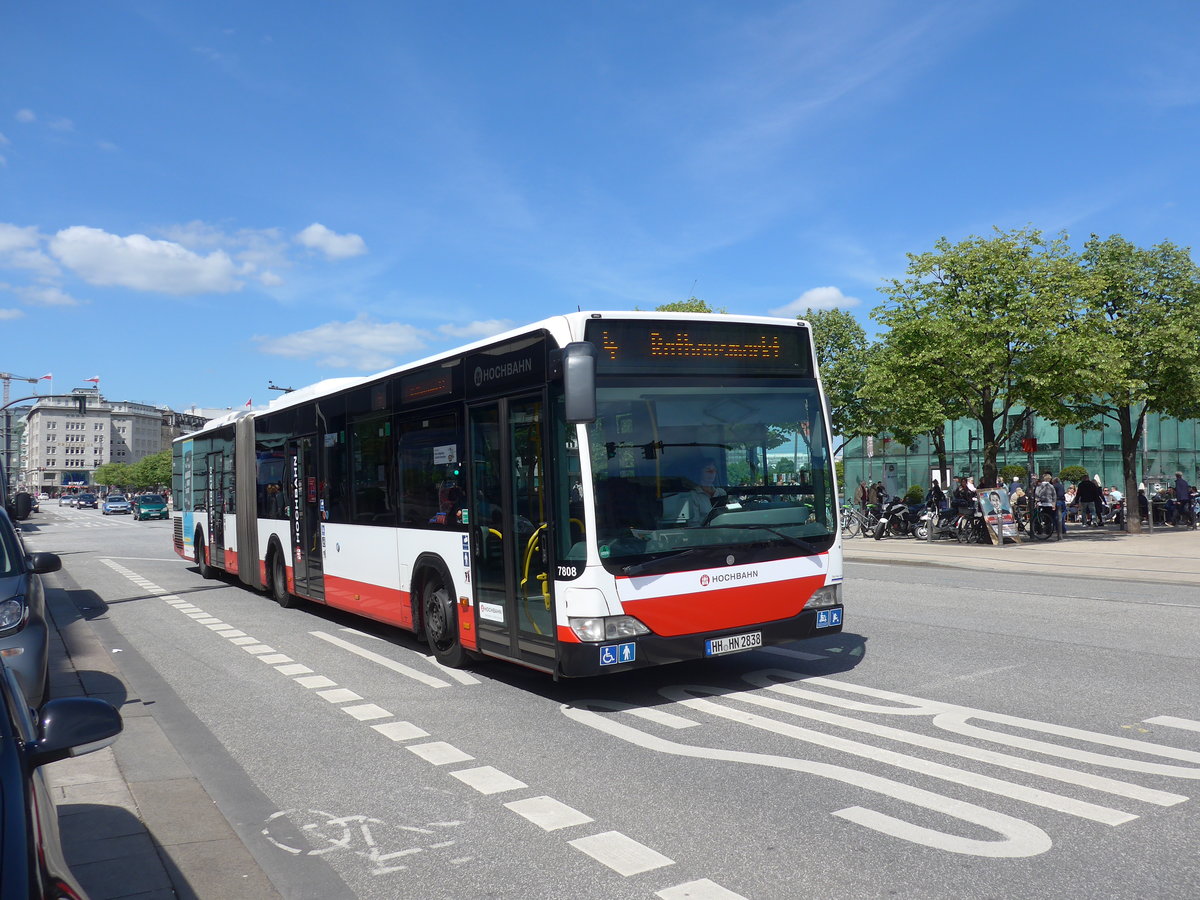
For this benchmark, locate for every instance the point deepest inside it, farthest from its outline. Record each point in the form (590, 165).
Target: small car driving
(150, 506)
(115, 503)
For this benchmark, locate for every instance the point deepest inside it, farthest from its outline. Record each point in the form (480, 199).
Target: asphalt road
(968, 735)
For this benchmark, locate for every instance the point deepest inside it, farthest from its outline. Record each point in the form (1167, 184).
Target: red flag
(249, 402)
(51, 377)
(95, 380)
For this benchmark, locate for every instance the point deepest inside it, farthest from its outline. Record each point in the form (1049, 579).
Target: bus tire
(206, 571)
(439, 616)
(279, 585)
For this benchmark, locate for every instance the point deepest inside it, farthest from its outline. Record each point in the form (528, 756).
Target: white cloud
(335, 246)
(21, 248)
(270, 279)
(10, 314)
(45, 296)
(817, 298)
(61, 124)
(4, 141)
(474, 330)
(25, 115)
(141, 263)
(363, 344)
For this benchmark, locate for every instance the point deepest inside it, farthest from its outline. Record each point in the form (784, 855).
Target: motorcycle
(896, 519)
(942, 521)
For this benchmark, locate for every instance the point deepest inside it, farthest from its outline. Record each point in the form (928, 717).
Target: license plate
(733, 643)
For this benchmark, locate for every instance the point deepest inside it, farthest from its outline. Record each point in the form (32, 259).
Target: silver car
(115, 503)
(24, 634)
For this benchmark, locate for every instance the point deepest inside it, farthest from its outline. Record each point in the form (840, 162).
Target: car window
(153, 498)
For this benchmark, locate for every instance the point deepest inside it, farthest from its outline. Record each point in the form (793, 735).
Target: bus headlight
(830, 595)
(607, 628)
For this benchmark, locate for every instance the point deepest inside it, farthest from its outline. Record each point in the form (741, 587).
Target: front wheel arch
(438, 609)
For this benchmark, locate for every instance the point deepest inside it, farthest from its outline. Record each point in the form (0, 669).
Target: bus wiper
(795, 541)
(643, 567)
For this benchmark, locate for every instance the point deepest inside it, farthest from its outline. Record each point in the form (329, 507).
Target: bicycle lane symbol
(359, 835)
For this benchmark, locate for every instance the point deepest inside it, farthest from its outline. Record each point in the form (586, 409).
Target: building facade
(62, 447)
(1169, 446)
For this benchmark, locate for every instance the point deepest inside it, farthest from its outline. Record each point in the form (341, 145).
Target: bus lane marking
(374, 657)
(1016, 837)
(954, 718)
(765, 679)
(456, 674)
(1174, 722)
(684, 694)
(620, 853)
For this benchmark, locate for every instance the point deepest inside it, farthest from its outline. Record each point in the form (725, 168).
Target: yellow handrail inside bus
(530, 547)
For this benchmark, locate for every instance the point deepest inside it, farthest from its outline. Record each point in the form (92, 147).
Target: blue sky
(198, 198)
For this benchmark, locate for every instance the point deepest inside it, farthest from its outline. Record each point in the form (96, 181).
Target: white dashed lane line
(617, 851)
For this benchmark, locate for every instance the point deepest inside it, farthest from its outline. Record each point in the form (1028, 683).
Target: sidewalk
(134, 820)
(1169, 556)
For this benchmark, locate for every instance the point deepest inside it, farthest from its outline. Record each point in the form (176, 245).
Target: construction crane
(8, 378)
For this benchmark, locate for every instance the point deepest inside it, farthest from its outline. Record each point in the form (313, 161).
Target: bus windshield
(710, 466)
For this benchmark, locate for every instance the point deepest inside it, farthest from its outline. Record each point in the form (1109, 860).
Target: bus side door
(305, 513)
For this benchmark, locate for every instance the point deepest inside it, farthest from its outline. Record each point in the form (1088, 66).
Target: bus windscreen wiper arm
(798, 542)
(650, 564)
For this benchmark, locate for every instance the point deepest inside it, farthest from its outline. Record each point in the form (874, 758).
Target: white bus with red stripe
(589, 494)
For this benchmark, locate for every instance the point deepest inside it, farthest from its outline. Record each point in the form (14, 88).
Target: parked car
(150, 506)
(43, 496)
(115, 503)
(65, 499)
(87, 501)
(35, 505)
(24, 634)
(32, 863)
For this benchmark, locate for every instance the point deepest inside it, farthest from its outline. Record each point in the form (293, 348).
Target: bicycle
(1044, 524)
(855, 521)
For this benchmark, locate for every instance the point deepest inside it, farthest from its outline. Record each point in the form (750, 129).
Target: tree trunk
(939, 446)
(988, 423)
(1130, 438)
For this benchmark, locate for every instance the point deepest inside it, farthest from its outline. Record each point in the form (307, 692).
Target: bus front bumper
(582, 660)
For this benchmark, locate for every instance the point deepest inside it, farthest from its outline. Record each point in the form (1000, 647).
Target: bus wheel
(206, 571)
(279, 586)
(441, 623)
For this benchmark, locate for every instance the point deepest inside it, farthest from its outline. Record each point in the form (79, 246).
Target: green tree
(982, 326)
(114, 473)
(842, 352)
(1148, 305)
(692, 304)
(152, 471)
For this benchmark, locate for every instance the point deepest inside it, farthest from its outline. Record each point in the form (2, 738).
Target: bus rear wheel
(441, 622)
(279, 585)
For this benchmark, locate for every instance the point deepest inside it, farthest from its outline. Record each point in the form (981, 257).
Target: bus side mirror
(579, 382)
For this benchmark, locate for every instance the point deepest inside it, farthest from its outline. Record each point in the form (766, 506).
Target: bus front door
(215, 504)
(305, 513)
(510, 532)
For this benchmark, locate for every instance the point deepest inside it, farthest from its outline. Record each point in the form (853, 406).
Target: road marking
(794, 654)
(241, 641)
(547, 813)
(230, 633)
(366, 712)
(220, 628)
(662, 718)
(698, 890)
(400, 731)
(439, 753)
(381, 660)
(488, 780)
(1020, 764)
(622, 854)
(899, 760)
(315, 681)
(209, 620)
(274, 659)
(256, 649)
(1017, 838)
(294, 669)
(339, 695)
(1173, 722)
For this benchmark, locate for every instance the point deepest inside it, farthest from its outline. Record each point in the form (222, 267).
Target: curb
(134, 819)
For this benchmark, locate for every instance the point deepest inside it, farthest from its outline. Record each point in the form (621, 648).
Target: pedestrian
(1047, 502)
(1060, 503)
(879, 494)
(1090, 500)
(936, 497)
(861, 494)
(964, 495)
(1014, 485)
(1183, 502)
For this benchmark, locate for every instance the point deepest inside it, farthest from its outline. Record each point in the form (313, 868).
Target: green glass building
(1169, 446)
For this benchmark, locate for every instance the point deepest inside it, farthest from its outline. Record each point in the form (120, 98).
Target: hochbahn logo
(726, 577)
(503, 370)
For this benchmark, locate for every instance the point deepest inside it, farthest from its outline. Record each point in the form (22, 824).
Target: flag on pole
(95, 380)
(51, 377)
(249, 402)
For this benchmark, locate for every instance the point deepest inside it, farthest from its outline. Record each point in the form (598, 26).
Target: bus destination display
(699, 347)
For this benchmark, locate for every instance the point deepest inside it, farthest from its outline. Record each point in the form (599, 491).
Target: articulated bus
(592, 493)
